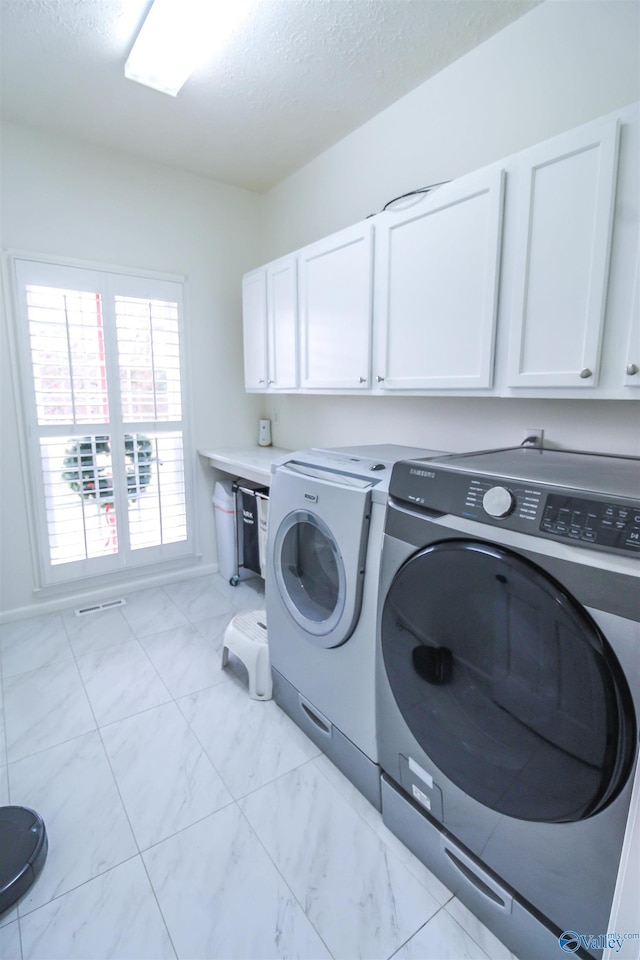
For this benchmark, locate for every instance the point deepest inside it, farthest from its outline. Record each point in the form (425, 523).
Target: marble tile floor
(186, 820)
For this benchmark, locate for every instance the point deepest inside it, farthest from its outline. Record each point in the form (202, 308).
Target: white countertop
(250, 463)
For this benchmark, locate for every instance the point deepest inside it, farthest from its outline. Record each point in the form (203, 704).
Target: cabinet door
(437, 268)
(562, 234)
(254, 329)
(336, 279)
(282, 324)
(632, 360)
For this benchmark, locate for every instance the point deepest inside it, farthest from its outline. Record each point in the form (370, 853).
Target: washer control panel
(611, 525)
(596, 522)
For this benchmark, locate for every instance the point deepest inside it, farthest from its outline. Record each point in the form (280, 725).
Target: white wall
(562, 64)
(72, 200)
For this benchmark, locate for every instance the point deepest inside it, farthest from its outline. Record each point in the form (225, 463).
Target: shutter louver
(149, 356)
(67, 354)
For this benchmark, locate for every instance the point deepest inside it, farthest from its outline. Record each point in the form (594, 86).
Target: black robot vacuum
(23, 851)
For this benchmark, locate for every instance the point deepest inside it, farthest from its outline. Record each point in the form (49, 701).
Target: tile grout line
(468, 932)
(237, 803)
(199, 741)
(440, 908)
(124, 806)
(415, 933)
(233, 801)
(381, 839)
(160, 911)
(69, 740)
(78, 886)
(272, 861)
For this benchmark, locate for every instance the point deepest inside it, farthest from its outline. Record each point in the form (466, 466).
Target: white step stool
(246, 636)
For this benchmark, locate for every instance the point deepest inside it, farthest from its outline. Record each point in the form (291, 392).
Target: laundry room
(241, 259)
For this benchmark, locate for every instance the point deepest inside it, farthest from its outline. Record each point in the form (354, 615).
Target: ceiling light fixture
(177, 36)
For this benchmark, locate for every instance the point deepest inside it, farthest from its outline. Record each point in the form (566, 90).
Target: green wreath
(92, 480)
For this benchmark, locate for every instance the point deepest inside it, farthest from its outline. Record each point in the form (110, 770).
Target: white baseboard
(69, 601)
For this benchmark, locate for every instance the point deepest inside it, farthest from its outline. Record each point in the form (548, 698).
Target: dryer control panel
(601, 522)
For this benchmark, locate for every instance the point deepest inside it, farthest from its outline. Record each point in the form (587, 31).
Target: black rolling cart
(251, 501)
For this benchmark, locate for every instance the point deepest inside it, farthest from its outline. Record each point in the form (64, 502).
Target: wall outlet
(533, 437)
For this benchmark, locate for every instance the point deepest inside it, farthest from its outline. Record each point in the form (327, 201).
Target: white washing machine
(326, 518)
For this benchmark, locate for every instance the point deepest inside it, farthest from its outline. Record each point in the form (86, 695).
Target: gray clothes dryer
(508, 683)
(326, 513)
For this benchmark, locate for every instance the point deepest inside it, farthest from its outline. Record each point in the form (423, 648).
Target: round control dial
(498, 502)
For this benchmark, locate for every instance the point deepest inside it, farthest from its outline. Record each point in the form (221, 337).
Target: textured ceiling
(296, 79)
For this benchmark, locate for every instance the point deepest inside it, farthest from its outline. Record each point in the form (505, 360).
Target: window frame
(110, 282)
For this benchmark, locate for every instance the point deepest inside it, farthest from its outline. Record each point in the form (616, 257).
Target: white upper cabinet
(561, 204)
(254, 329)
(336, 281)
(516, 280)
(282, 324)
(270, 326)
(437, 274)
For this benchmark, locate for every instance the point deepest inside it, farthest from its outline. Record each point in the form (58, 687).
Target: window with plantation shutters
(103, 381)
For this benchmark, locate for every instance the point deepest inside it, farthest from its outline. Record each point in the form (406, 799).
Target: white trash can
(229, 547)
(224, 509)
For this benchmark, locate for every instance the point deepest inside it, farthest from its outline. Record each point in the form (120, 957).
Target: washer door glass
(310, 574)
(506, 682)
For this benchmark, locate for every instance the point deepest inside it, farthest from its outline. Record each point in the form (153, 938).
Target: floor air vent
(97, 607)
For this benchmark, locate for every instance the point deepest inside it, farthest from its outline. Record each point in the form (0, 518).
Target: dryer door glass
(310, 573)
(506, 682)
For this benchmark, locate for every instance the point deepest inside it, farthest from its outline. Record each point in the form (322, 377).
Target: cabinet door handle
(270, 382)
(379, 379)
(362, 379)
(632, 369)
(586, 373)
(260, 381)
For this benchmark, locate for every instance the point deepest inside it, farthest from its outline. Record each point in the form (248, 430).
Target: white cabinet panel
(620, 361)
(632, 359)
(565, 193)
(282, 324)
(437, 269)
(336, 280)
(254, 329)
(270, 326)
